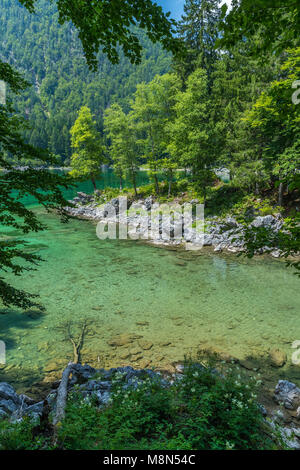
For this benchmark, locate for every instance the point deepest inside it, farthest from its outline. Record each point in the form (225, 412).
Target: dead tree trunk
(62, 394)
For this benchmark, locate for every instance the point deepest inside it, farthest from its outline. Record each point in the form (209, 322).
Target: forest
(217, 107)
(50, 57)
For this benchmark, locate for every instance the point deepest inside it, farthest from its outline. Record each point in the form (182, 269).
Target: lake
(164, 303)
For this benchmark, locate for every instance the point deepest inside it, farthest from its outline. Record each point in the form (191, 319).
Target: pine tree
(192, 133)
(198, 29)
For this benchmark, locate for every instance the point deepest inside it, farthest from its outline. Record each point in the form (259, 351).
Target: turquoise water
(107, 179)
(163, 303)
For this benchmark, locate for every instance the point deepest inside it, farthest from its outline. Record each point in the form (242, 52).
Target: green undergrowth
(222, 200)
(203, 409)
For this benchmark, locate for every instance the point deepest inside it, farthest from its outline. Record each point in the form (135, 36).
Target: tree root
(77, 345)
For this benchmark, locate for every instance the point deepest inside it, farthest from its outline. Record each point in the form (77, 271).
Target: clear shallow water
(186, 300)
(177, 301)
(107, 179)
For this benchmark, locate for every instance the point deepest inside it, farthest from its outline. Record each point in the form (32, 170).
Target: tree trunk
(280, 195)
(94, 183)
(134, 183)
(204, 194)
(121, 183)
(170, 186)
(62, 394)
(156, 184)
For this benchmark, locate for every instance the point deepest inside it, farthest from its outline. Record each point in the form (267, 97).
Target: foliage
(275, 120)
(274, 123)
(107, 22)
(192, 132)
(153, 111)
(51, 57)
(276, 21)
(238, 81)
(20, 436)
(121, 131)
(201, 410)
(198, 31)
(287, 240)
(88, 151)
(15, 183)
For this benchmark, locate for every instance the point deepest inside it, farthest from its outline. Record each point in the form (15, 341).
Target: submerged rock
(249, 364)
(277, 358)
(123, 339)
(144, 344)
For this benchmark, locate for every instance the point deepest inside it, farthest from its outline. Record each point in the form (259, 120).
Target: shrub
(202, 409)
(21, 436)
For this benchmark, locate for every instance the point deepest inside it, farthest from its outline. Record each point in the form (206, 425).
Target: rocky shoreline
(222, 234)
(96, 384)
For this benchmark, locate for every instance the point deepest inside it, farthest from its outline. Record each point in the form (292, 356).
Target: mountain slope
(50, 56)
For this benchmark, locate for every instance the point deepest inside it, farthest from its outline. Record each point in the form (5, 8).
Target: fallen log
(62, 394)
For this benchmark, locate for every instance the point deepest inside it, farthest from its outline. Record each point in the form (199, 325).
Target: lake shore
(279, 409)
(222, 234)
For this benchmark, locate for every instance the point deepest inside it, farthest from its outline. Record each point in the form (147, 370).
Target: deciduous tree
(88, 149)
(121, 131)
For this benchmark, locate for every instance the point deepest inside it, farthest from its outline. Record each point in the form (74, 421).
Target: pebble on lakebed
(123, 339)
(277, 358)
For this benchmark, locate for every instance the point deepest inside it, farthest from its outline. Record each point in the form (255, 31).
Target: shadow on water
(23, 379)
(253, 367)
(270, 373)
(18, 320)
(13, 325)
